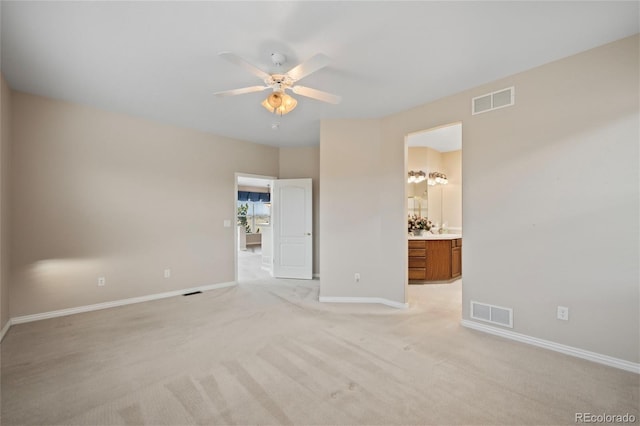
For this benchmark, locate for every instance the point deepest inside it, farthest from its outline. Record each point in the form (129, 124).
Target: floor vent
(192, 293)
(493, 314)
(495, 100)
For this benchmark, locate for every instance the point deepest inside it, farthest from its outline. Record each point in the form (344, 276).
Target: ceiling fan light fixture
(275, 99)
(279, 103)
(288, 103)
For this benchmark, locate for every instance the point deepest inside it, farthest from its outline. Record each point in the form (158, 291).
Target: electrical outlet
(563, 313)
(167, 273)
(357, 277)
(102, 281)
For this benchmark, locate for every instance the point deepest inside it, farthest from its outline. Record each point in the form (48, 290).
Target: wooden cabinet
(435, 260)
(438, 260)
(456, 258)
(417, 259)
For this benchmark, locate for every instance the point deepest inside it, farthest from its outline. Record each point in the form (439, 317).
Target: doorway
(437, 152)
(434, 205)
(253, 238)
(274, 228)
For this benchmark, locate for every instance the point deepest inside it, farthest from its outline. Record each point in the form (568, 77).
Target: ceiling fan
(279, 102)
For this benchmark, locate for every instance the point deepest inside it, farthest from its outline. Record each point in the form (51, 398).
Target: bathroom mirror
(418, 201)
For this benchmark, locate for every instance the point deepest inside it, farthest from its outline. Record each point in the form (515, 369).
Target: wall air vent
(495, 100)
(491, 313)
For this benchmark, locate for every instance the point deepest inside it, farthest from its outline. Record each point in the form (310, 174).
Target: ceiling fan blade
(242, 91)
(307, 67)
(235, 59)
(317, 94)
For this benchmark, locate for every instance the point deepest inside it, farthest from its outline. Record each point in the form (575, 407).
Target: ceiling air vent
(492, 314)
(495, 100)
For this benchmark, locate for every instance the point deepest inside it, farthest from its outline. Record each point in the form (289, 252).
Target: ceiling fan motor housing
(279, 81)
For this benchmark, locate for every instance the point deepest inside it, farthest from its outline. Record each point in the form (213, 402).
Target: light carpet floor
(267, 352)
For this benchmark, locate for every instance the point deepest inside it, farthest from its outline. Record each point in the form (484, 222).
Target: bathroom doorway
(437, 152)
(434, 205)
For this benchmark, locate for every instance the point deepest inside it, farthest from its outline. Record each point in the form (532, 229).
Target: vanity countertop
(429, 236)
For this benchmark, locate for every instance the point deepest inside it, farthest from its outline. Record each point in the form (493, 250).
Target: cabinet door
(438, 260)
(456, 262)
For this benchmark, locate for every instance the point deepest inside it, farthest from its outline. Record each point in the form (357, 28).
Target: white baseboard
(380, 300)
(112, 304)
(557, 347)
(5, 329)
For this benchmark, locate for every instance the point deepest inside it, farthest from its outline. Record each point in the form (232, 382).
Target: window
(254, 215)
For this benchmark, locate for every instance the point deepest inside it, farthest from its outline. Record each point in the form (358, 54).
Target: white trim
(557, 347)
(114, 303)
(5, 329)
(387, 302)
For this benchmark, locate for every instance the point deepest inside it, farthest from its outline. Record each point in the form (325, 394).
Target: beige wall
(104, 194)
(556, 177)
(362, 215)
(304, 162)
(550, 199)
(5, 135)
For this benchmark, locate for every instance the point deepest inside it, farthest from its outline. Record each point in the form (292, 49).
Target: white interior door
(292, 225)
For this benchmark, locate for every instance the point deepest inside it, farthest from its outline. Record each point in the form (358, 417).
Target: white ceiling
(159, 60)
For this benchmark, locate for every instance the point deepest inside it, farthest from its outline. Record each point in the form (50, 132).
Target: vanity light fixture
(416, 177)
(437, 178)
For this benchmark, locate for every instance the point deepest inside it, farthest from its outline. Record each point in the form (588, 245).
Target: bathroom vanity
(435, 257)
